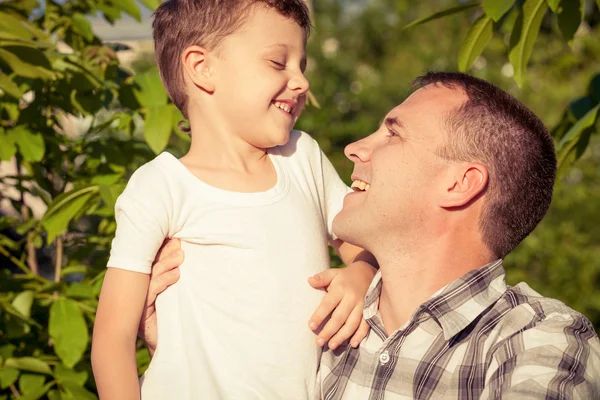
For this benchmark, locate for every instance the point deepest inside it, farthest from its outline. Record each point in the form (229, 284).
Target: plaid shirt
(477, 338)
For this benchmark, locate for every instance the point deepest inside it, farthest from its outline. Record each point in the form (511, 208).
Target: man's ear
(197, 67)
(467, 182)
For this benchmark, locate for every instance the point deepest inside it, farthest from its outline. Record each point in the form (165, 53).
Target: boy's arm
(344, 301)
(120, 307)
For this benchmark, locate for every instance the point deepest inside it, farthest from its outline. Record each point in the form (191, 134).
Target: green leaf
(477, 39)
(54, 395)
(579, 107)
(15, 25)
(77, 392)
(80, 290)
(64, 374)
(496, 9)
(27, 62)
(595, 87)
(29, 383)
(74, 269)
(69, 331)
(569, 17)
(65, 207)
(443, 13)
(7, 146)
(82, 26)
(524, 35)
(8, 376)
(30, 364)
(554, 4)
(110, 13)
(153, 4)
(109, 194)
(130, 7)
(157, 127)
(37, 393)
(150, 91)
(573, 134)
(31, 145)
(23, 302)
(9, 87)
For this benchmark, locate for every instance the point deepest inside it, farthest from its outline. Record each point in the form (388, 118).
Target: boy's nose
(299, 83)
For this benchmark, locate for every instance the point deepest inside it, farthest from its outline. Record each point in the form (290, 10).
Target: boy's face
(259, 82)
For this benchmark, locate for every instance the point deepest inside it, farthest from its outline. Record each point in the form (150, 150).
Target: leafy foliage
(54, 73)
(361, 60)
(524, 19)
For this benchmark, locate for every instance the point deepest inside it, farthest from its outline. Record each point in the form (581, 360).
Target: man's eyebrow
(391, 121)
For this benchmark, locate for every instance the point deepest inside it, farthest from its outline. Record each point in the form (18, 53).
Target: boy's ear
(198, 68)
(466, 183)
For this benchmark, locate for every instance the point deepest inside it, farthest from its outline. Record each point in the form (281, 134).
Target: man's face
(260, 85)
(398, 178)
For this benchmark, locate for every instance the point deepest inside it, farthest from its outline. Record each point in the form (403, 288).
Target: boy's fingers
(360, 334)
(159, 283)
(323, 278)
(327, 305)
(338, 318)
(346, 331)
(167, 263)
(168, 247)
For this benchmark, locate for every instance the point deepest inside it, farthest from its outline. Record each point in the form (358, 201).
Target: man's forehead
(431, 101)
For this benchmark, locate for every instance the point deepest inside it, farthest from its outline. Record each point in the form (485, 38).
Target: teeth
(285, 107)
(360, 185)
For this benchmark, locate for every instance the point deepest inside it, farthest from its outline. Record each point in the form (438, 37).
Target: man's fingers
(360, 333)
(323, 278)
(347, 330)
(327, 305)
(168, 247)
(338, 318)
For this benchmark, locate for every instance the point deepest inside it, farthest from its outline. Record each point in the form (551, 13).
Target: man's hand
(344, 301)
(165, 272)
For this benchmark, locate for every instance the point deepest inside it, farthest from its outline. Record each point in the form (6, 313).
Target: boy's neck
(214, 147)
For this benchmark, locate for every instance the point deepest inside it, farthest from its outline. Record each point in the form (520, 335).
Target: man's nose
(359, 151)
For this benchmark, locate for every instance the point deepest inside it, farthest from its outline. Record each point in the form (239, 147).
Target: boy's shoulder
(154, 173)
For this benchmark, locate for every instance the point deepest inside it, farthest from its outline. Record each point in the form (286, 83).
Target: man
(454, 179)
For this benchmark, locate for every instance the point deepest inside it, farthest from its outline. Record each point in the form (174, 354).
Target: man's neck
(411, 277)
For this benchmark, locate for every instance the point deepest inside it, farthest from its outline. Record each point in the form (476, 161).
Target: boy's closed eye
(278, 64)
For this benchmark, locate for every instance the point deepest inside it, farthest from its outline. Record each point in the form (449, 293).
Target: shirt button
(384, 357)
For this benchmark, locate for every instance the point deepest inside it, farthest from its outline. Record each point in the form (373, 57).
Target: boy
(251, 202)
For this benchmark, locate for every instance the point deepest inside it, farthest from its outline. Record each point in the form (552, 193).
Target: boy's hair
(496, 129)
(179, 24)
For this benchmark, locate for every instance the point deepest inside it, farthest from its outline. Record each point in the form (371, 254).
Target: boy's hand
(344, 301)
(165, 272)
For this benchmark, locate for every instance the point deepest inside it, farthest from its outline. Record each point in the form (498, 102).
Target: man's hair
(179, 24)
(494, 128)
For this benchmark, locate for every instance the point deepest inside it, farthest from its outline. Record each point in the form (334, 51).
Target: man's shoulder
(536, 321)
(547, 310)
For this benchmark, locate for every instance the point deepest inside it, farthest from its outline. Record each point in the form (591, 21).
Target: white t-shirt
(235, 325)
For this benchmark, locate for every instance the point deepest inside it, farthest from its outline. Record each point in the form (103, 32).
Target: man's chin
(343, 231)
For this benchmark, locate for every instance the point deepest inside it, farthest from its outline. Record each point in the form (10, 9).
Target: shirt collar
(456, 305)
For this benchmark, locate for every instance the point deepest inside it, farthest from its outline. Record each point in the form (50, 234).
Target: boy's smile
(259, 79)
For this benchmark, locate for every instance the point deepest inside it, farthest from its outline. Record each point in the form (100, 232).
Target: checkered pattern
(476, 339)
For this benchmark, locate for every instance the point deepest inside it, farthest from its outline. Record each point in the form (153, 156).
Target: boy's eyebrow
(281, 45)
